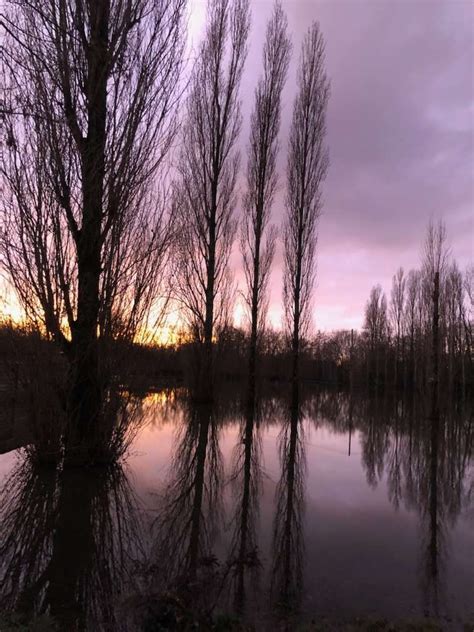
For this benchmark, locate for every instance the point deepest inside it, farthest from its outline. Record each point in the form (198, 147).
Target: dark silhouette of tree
(208, 168)
(397, 308)
(454, 309)
(307, 166)
(411, 321)
(90, 90)
(395, 348)
(468, 314)
(257, 237)
(434, 267)
(375, 326)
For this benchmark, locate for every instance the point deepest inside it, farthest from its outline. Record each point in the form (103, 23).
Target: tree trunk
(85, 397)
(295, 342)
(254, 316)
(206, 379)
(435, 340)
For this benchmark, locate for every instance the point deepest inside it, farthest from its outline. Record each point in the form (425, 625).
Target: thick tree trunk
(85, 396)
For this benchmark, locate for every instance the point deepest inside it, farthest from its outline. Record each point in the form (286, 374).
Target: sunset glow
(236, 315)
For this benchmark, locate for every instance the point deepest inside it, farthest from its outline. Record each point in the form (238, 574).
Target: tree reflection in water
(69, 544)
(191, 508)
(426, 453)
(72, 540)
(429, 463)
(288, 541)
(246, 481)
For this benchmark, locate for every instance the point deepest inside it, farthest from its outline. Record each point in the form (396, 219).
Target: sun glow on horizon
(162, 336)
(171, 330)
(10, 309)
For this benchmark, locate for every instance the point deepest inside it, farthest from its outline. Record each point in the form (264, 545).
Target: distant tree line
(423, 334)
(394, 349)
(418, 338)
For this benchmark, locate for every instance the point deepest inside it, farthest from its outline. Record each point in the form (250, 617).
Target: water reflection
(246, 480)
(426, 454)
(248, 497)
(69, 544)
(288, 541)
(191, 508)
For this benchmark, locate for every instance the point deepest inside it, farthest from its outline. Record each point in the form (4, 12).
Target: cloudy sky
(400, 134)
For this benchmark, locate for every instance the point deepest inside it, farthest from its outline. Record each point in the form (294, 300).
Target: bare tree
(435, 262)
(453, 316)
(90, 92)
(208, 170)
(468, 314)
(412, 298)
(375, 325)
(434, 300)
(397, 305)
(257, 238)
(307, 166)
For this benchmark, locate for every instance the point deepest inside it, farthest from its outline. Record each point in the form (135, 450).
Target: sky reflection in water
(269, 501)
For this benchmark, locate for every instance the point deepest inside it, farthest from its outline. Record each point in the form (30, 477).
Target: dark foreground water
(326, 508)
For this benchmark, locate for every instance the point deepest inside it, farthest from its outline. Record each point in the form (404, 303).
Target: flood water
(326, 507)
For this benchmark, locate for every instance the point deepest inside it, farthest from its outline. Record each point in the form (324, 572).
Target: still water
(308, 506)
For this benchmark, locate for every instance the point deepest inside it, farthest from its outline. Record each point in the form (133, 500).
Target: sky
(400, 135)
